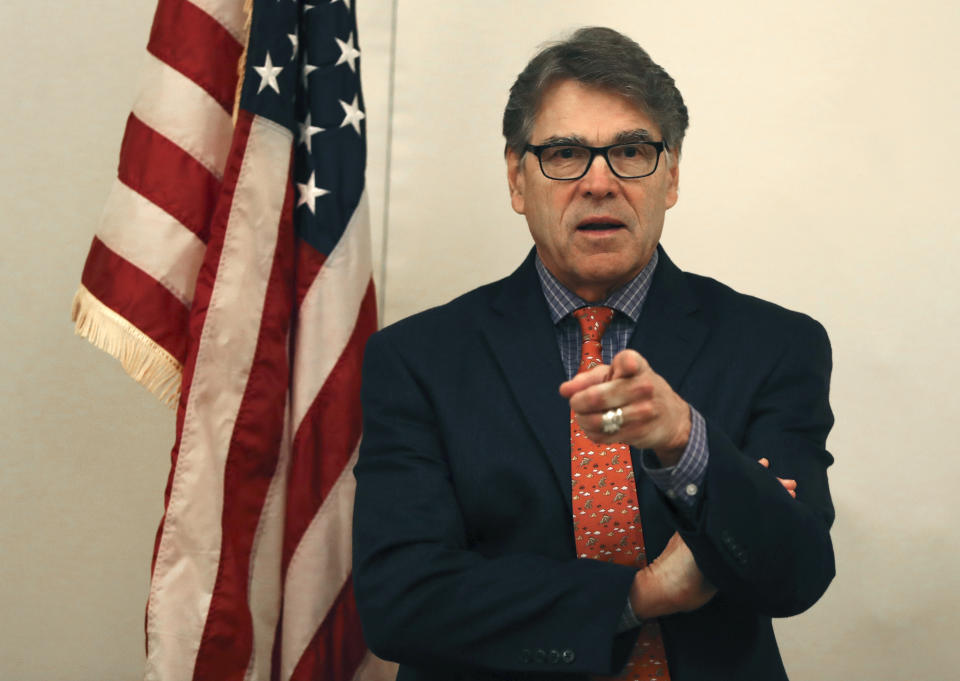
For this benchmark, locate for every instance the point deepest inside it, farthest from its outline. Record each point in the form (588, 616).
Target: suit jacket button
(568, 656)
(525, 656)
(540, 656)
(553, 656)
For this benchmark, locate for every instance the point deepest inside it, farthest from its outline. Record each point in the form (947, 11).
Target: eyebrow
(635, 135)
(564, 139)
(622, 137)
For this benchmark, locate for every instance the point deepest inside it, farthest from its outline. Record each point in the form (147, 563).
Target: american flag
(233, 260)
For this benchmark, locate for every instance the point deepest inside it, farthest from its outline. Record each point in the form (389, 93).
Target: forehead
(569, 108)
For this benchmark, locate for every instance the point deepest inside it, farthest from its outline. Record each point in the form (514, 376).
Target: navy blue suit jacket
(464, 556)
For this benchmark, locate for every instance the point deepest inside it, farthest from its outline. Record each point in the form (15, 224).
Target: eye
(632, 151)
(553, 154)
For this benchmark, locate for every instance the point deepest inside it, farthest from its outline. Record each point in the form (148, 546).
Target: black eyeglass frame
(538, 149)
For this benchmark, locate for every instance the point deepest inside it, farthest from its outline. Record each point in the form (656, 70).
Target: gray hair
(603, 58)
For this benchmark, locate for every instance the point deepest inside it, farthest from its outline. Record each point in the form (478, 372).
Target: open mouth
(599, 226)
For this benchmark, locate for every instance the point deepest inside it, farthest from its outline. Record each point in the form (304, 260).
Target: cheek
(543, 207)
(648, 206)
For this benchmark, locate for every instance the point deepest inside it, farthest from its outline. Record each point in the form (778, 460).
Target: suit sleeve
(751, 539)
(425, 598)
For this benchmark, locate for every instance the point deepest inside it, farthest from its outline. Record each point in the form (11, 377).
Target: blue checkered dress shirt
(680, 483)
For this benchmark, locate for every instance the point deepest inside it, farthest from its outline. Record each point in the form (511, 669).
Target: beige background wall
(820, 171)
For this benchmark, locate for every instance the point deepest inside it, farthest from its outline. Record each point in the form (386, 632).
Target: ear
(515, 180)
(673, 180)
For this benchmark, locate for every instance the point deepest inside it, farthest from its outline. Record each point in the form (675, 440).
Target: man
(564, 473)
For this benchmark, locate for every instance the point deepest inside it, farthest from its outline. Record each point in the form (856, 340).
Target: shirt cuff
(628, 619)
(682, 483)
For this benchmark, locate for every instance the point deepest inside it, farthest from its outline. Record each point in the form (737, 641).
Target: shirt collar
(628, 299)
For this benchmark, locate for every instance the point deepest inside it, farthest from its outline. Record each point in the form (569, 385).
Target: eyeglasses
(572, 161)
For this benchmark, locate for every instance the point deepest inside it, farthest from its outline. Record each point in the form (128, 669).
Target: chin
(606, 279)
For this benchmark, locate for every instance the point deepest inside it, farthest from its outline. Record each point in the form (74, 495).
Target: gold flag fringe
(140, 356)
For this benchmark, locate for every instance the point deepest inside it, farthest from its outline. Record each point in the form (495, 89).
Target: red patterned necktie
(606, 513)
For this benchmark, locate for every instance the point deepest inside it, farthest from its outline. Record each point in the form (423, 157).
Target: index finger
(628, 363)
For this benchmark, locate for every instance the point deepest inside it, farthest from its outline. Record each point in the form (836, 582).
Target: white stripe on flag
(184, 113)
(372, 668)
(147, 236)
(186, 567)
(266, 554)
(329, 310)
(318, 569)
(227, 13)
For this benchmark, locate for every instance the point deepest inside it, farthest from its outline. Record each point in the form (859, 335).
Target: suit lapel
(669, 335)
(522, 339)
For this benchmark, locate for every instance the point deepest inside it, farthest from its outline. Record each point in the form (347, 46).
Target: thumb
(583, 380)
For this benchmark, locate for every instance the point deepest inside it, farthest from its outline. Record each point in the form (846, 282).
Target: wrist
(646, 595)
(670, 452)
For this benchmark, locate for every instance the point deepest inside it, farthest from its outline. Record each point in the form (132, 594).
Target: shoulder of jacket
(725, 305)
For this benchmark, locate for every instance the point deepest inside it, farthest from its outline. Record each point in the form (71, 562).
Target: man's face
(596, 233)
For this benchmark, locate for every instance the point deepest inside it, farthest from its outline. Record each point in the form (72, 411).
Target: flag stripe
(332, 425)
(228, 13)
(265, 590)
(206, 277)
(158, 169)
(152, 240)
(182, 586)
(372, 668)
(335, 293)
(186, 114)
(337, 648)
(309, 262)
(226, 644)
(325, 549)
(137, 297)
(195, 44)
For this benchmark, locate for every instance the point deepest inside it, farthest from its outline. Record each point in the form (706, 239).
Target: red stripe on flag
(192, 42)
(158, 169)
(309, 263)
(332, 426)
(337, 648)
(205, 280)
(137, 297)
(227, 640)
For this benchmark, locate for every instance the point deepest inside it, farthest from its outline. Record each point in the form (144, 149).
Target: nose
(599, 182)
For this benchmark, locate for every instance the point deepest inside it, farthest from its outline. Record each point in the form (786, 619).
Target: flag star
(295, 41)
(307, 8)
(307, 131)
(309, 191)
(268, 75)
(348, 52)
(307, 70)
(352, 115)
(345, 2)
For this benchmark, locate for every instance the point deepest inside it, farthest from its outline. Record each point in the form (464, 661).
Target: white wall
(820, 172)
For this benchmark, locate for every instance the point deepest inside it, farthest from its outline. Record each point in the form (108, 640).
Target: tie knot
(593, 321)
